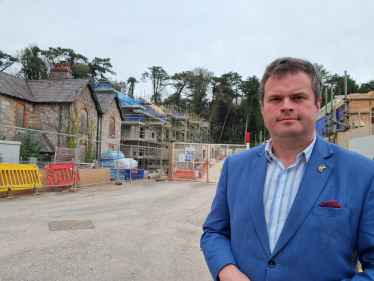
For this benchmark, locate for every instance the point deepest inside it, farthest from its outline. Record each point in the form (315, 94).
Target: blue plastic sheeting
(112, 155)
(125, 100)
(134, 118)
(321, 122)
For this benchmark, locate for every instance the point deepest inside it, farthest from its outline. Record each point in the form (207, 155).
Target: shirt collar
(306, 152)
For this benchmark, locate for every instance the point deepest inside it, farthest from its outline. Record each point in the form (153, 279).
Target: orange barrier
(185, 173)
(61, 174)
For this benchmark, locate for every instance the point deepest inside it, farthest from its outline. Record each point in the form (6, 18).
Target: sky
(243, 36)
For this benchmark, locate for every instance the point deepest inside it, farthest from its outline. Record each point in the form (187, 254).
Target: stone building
(58, 105)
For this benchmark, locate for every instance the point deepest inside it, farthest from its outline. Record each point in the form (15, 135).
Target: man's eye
(274, 99)
(299, 98)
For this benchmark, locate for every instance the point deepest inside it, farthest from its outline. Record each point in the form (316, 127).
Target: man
(297, 208)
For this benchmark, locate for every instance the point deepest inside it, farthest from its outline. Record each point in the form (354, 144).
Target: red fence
(61, 174)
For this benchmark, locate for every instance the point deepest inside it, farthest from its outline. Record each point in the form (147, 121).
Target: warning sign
(189, 154)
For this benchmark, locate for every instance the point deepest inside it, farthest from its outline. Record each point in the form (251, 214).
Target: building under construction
(148, 129)
(346, 117)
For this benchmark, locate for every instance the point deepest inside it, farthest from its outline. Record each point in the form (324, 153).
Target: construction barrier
(61, 174)
(19, 176)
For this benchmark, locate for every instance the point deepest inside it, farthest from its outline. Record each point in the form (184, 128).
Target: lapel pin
(320, 168)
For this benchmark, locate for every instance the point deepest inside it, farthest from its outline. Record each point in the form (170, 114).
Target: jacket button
(271, 263)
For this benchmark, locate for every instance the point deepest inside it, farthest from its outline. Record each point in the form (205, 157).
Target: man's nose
(287, 105)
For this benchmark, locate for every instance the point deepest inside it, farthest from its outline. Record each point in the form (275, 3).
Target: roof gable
(15, 87)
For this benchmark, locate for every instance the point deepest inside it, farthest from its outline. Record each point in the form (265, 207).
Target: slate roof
(105, 98)
(15, 86)
(56, 90)
(51, 90)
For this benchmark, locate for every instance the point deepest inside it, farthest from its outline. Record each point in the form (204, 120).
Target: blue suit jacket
(316, 243)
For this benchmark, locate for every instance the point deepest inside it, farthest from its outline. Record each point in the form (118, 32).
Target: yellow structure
(19, 176)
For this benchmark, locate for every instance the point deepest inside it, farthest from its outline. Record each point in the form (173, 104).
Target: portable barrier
(61, 174)
(19, 176)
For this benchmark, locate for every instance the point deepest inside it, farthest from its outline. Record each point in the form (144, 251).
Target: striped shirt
(280, 189)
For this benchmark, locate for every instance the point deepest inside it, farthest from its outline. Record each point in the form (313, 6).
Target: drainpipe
(97, 136)
(59, 125)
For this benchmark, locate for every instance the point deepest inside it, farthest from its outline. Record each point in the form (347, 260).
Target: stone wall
(46, 116)
(112, 113)
(8, 115)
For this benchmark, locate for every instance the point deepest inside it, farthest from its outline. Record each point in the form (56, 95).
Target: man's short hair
(282, 66)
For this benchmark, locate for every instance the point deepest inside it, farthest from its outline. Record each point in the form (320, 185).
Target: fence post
(116, 169)
(130, 168)
(75, 166)
(161, 161)
(171, 158)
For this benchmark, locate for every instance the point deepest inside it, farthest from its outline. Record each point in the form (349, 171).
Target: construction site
(348, 121)
(148, 129)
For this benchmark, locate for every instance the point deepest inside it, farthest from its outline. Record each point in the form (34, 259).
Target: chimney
(61, 71)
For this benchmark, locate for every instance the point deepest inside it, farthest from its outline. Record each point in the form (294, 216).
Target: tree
(99, 67)
(30, 147)
(251, 103)
(325, 74)
(198, 87)
(56, 55)
(180, 81)
(81, 70)
(159, 79)
(6, 60)
(337, 82)
(33, 63)
(120, 86)
(367, 87)
(131, 82)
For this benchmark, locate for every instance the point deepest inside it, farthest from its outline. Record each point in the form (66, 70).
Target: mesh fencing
(200, 162)
(62, 159)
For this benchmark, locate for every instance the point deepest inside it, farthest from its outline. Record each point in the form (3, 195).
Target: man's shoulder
(348, 158)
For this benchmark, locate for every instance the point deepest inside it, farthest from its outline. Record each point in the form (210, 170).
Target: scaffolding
(344, 113)
(151, 129)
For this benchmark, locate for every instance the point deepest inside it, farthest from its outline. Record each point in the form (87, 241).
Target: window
(111, 127)
(153, 135)
(84, 120)
(141, 133)
(20, 115)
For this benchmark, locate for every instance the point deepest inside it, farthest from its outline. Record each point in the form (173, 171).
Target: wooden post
(171, 158)
(207, 170)
(189, 170)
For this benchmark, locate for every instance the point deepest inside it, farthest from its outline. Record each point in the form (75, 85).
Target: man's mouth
(284, 119)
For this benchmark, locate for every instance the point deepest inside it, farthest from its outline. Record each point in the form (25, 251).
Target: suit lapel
(256, 181)
(310, 188)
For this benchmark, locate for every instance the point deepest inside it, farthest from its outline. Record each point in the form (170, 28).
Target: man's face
(289, 108)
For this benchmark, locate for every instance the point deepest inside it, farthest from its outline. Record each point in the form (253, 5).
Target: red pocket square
(331, 204)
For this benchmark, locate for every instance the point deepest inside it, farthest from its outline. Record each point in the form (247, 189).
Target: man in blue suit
(297, 208)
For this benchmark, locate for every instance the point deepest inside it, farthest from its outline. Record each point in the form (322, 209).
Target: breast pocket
(331, 222)
(331, 212)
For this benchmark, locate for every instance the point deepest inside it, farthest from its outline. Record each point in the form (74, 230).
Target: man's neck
(287, 149)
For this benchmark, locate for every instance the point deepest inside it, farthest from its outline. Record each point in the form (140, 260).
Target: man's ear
(262, 106)
(319, 104)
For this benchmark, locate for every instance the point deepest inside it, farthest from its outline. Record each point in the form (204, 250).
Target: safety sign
(189, 154)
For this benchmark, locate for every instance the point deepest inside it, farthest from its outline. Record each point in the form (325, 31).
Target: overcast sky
(241, 35)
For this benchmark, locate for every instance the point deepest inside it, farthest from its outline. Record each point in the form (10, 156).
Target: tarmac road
(149, 232)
